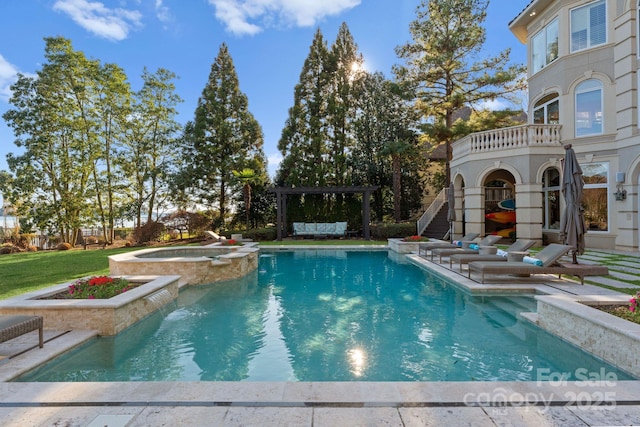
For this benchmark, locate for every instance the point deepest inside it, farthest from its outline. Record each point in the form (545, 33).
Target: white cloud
(273, 163)
(112, 24)
(162, 12)
(8, 76)
(495, 105)
(252, 16)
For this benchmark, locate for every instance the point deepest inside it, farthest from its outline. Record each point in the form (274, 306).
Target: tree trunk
(397, 196)
(223, 202)
(247, 204)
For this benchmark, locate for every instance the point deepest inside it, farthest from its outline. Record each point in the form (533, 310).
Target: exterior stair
(439, 226)
(433, 222)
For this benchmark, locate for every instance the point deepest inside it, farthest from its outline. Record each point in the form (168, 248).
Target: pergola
(283, 192)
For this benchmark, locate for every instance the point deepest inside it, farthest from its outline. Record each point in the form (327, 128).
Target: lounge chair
(13, 326)
(214, 236)
(488, 240)
(428, 246)
(547, 257)
(520, 245)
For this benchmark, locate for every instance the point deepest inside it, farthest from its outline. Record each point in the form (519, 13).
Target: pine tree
(443, 63)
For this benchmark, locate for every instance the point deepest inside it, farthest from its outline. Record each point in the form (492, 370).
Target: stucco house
(583, 58)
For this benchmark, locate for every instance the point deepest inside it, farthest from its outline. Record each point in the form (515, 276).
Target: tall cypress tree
(303, 140)
(346, 72)
(226, 136)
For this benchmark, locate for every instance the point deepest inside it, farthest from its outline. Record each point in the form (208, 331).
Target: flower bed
(97, 287)
(629, 312)
(108, 316)
(416, 239)
(230, 242)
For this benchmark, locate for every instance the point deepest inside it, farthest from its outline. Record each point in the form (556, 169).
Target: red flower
(100, 280)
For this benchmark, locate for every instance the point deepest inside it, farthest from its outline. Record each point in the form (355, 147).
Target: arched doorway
(499, 204)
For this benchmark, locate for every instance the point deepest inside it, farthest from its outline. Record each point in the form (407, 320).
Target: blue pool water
(328, 316)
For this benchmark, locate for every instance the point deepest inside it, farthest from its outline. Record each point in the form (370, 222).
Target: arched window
(547, 110)
(589, 108)
(551, 199)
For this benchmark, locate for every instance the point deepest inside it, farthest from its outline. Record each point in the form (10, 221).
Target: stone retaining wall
(107, 316)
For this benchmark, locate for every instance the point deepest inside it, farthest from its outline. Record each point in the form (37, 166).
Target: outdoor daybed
(337, 229)
(13, 326)
(489, 240)
(520, 245)
(548, 257)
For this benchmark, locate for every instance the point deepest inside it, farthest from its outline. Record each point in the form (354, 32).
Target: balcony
(525, 136)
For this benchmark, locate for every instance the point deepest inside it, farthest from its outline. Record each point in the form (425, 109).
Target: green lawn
(27, 271)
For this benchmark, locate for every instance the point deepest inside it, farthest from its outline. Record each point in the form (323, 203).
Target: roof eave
(519, 24)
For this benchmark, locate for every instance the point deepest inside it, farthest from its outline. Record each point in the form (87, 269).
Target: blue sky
(267, 39)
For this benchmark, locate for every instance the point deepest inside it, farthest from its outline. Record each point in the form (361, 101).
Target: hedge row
(383, 231)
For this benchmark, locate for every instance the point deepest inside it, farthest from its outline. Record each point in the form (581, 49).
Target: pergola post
(366, 214)
(283, 203)
(278, 215)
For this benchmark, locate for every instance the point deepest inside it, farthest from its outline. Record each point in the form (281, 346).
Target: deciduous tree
(53, 117)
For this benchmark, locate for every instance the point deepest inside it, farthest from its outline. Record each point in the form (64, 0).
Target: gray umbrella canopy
(451, 212)
(572, 227)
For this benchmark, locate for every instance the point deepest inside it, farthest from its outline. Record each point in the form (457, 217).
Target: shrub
(63, 246)
(121, 234)
(20, 240)
(32, 248)
(149, 232)
(9, 248)
(259, 234)
(384, 231)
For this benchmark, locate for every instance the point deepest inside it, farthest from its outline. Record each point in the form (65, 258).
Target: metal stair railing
(431, 212)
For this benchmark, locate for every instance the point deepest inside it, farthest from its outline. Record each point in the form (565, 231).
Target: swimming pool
(326, 315)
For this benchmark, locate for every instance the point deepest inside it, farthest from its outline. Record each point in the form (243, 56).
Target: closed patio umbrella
(572, 227)
(451, 212)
